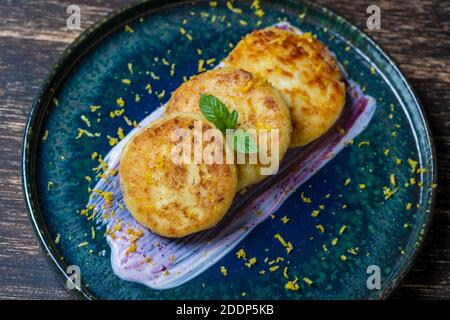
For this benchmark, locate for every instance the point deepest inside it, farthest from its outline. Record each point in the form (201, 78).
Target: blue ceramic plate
(360, 226)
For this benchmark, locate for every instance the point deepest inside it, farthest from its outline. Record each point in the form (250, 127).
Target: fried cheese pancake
(174, 199)
(303, 70)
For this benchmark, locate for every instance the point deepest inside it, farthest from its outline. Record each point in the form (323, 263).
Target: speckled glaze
(90, 72)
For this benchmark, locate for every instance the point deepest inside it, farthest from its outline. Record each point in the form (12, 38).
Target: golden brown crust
(303, 70)
(259, 107)
(173, 200)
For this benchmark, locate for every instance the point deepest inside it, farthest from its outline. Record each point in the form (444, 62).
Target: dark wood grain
(33, 34)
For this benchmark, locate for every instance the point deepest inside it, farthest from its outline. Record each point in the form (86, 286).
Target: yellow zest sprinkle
(128, 29)
(148, 87)
(285, 273)
(292, 285)
(398, 161)
(120, 133)
(201, 64)
(413, 165)
(224, 271)
(334, 241)
(392, 179)
(302, 15)
(85, 120)
(182, 31)
(372, 70)
(274, 268)
(213, 4)
(55, 101)
(305, 199)
(161, 94)
(83, 132)
(58, 238)
(388, 193)
(386, 152)
(320, 228)
(131, 248)
(199, 51)
(258, 10)
(363, 143)
(112, 141)
(120, 102)
(154, 76)
(412, 181)
(315, 213)
(289, 247)
(343, 258)
(92, 233)
(262, 272)
(347, 49)
(342, 229)
(353, 251)
(251, 262)
(116, 113)
(308, 281)
(94, 155)
(324, 247)
(285, 219)
(45, 135)
(88, 178)
(172, 69)
(243, 22)
(347, 182)
(126, 81)
(83, 244)
(94, 108)
(130, 68)
(362, 186)
(189, 37)
(210, 61)
(165, 62)
(271, 262)
(241, 254)
(49, 185)
(232, 8)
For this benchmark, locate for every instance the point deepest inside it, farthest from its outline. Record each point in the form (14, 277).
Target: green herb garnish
(217, 113)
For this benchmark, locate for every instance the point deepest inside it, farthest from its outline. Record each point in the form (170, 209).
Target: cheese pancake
(303, 70)
(259, 106)
(174, 199)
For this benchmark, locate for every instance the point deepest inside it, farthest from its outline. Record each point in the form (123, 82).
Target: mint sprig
(216, 112)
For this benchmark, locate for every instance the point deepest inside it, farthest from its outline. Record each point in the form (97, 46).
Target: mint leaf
(217, 112)
(243, 142)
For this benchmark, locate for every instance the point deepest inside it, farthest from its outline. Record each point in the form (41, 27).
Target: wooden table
(33, 34)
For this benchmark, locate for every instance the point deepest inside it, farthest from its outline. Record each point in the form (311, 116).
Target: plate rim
(109, 24)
